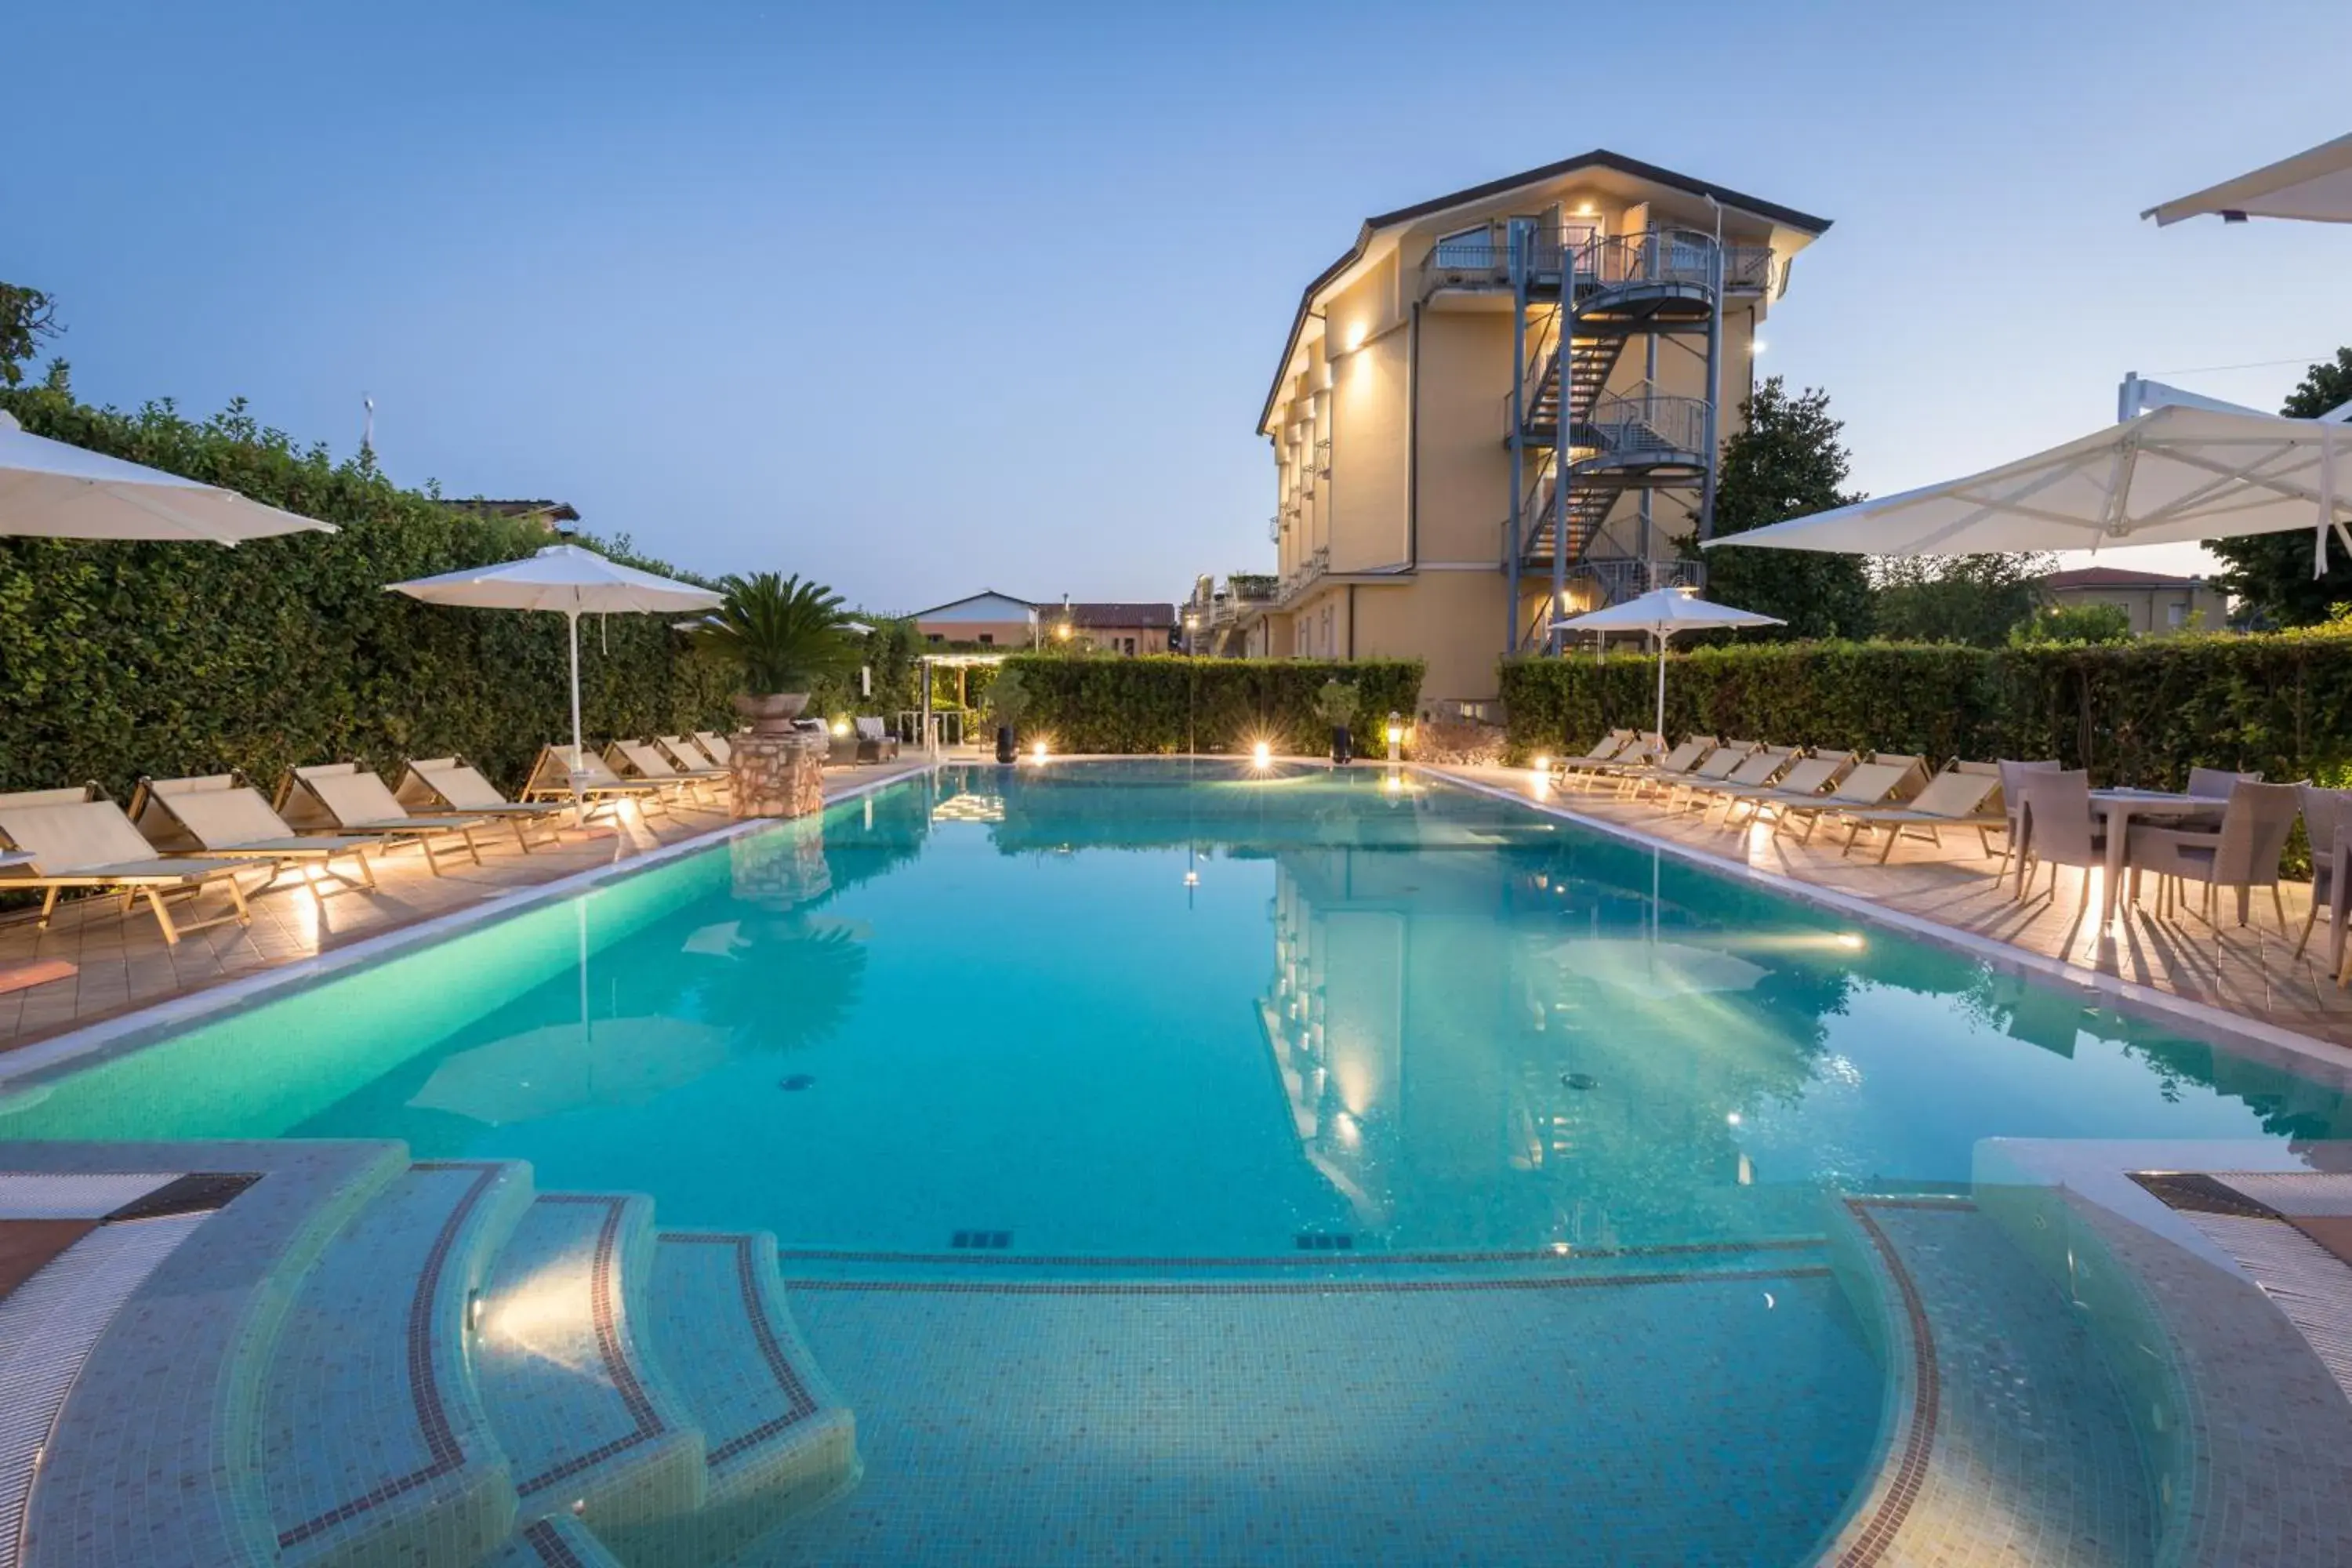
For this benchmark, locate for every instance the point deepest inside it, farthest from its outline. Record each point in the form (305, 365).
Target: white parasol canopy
(2176, 475)
(566, 579)
(53, 489)
(2314, 185)
(1662, 613)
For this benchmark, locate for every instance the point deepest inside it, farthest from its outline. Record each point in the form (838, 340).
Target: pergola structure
(961, 663)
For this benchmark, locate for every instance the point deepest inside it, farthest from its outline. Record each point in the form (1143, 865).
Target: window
(1466, 247)
(988, 639)
(2175, 616)
(934, 637)
(1130, 643)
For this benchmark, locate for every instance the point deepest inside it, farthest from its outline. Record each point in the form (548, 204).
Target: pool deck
(2249, 971)
(115, 966)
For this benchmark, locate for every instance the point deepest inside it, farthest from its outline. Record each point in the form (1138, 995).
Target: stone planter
(773, 714)
(778, 775)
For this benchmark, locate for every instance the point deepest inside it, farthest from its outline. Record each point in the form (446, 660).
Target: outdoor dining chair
(2327, 813)
(2055, 827)
(2242, 853)
(2012, 804)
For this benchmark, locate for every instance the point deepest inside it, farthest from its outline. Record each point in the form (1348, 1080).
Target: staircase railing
(1648, 422)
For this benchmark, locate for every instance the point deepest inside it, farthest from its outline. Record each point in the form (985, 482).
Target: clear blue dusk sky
(920, 299)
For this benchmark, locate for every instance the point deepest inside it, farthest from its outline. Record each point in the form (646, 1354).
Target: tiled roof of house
(1090, 616)
(2119, 577)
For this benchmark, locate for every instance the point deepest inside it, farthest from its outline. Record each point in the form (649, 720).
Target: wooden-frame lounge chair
(452, 786)
(716, 745)
(1608, 746)
(78, 838)
(644, 760)
(688, 752)
(222, 816)
(1965, 795)
(552, 778)
(1678, 766)
(1887, 779)
(1636, 750)
(346, 798)
(1804, 779)
(1756, 770)
(1716, 767)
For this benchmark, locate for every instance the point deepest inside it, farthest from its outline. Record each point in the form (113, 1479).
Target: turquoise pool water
(1177, 1163)
(1182, 1010)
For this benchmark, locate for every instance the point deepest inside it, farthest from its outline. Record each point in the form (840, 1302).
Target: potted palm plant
(784, 635)
(1006, 697)
(1337, 704)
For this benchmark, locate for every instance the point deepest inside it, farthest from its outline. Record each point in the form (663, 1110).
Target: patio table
(2119, 807)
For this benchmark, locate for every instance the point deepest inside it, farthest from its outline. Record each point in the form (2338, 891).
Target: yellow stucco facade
(1396, 520)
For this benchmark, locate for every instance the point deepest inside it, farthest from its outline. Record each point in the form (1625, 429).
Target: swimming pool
(1205, 1031)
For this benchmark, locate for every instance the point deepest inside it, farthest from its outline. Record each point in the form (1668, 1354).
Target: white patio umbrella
(53, 489)
(2172, 475)
(1662, 613)
(570, 580)
(2314, 185)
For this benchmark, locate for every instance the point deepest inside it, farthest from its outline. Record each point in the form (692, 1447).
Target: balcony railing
(1484, 260)
(1617, 578)
(1648, 422)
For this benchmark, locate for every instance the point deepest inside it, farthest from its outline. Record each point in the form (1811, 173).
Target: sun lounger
(346, 798)
(644, 760)
(445, 786)
(76, 839)
(713, 741)
(1716, 767)
(1633, 751)
(557, 775)
(1806, 777)
(688, 752)
(1603, 749)
(1647, 751)
(221, 816)
(1756, 770)
(1678, 766)
(1886, 780)
(1962, 796)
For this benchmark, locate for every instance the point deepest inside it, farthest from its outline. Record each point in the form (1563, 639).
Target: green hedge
(1165, 702)
(122, 660)
(2141, 713)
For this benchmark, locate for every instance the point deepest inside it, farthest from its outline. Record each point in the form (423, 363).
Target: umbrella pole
(1662, 685)
(579, 756)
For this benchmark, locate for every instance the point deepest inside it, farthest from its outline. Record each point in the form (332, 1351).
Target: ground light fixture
(1542, 764)
(1395, 735)
(840, 728)
(1037, 751)
(1261, 754)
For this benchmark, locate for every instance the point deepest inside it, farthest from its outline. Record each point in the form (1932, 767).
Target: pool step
(1995, 1389)
(581, 1406)
(779, 1440)
(374, 1445)
(559, 1542)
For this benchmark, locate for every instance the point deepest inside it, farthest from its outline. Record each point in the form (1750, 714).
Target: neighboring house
(1424, 504)
(1115, 627)
(1000, 620)
(550, 515)
(2158, 603)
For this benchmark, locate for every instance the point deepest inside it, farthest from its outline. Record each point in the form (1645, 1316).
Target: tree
(1786, 461)
(27, 319)
(1971, 599)
(2270, 574)
(2073, 624)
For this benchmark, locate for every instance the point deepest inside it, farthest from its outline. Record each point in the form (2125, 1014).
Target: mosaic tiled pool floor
(1481, 1425)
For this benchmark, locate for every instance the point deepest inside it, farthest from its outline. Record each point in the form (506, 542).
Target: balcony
(1481, 261)
(1646, 430)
